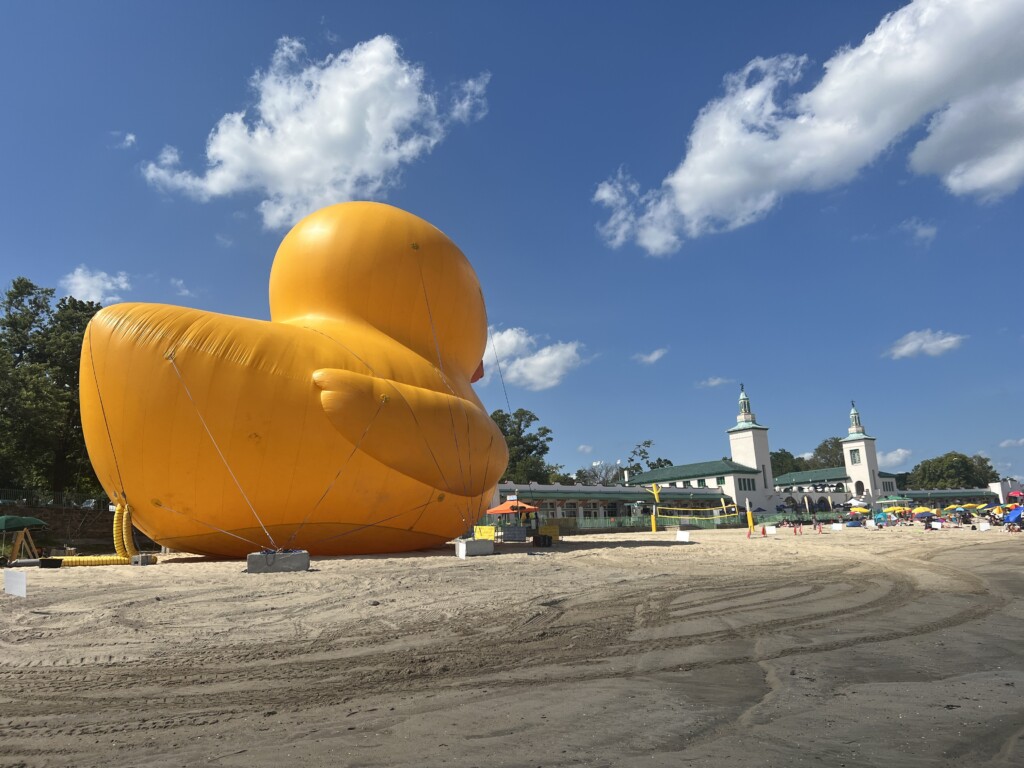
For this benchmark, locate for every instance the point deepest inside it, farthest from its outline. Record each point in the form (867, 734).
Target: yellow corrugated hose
(123, 543)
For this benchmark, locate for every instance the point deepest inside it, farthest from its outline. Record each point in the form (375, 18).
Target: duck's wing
(444, 441)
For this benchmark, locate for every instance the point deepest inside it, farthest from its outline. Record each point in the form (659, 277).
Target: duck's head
(377, 264)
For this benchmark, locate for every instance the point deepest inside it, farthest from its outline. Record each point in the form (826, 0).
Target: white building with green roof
(748, 476)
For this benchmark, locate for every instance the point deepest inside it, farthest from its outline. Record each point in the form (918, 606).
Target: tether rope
(103, 412)
(170, 358)
(341, 469)
(444, 377)
(497, 364)
(160, 505)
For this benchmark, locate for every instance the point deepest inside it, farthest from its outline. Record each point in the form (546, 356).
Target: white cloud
(470, 104)
(223, 241)
(926, 342)
(180, 287)
(585, 449)
(893, 458)
(124, 140)
(1018, 443)
(524, 365)
(322, 132)
(921, 232)
(87, 285)
(714, 381)
(650, 358)
(983, 157)
(807, 455)
(757, 143)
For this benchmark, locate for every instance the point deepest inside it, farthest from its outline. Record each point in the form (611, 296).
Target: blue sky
(661, 200)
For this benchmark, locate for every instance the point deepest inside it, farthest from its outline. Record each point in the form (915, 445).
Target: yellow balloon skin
(347, 424)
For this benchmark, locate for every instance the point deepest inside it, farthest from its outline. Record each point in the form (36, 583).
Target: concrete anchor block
(285, 561)
(470, 547)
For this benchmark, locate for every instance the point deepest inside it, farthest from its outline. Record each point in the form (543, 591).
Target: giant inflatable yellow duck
(347, 424)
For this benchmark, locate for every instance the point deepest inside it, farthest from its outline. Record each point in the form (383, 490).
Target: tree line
(41, 443)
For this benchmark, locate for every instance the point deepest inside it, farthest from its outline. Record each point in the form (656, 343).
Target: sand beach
(848, 648)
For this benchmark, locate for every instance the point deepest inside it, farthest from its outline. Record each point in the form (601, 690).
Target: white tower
(748, 444)
(860, 458)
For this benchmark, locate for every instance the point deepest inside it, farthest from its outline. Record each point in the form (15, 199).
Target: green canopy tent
(17, 522)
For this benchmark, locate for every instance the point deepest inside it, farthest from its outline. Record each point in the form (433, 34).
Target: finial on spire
(853, 404)
(741, 386)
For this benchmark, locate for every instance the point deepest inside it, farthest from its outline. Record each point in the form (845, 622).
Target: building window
(686, 484)
(702, 483)
(719, 481)
(855, 455)
(746, 484)
(611, 508)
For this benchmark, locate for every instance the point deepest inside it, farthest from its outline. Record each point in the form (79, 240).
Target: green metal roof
(692, 471)
(812, 476)
(749, 425)
(536, 492)
(856, 436)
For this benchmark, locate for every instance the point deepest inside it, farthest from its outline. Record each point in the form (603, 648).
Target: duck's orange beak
(478, 373)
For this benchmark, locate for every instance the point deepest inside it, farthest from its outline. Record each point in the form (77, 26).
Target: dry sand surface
(851, 648)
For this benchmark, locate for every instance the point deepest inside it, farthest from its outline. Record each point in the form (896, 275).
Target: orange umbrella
(511, 507)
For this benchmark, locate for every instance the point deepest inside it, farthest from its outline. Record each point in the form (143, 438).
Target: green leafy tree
(556, 475)
(952, 470)
(828, 454)
(784, 462)
(527, 446)
(41, 443)
(640, 459)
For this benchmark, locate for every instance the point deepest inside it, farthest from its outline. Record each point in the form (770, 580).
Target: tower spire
(856, 428)
(746, 416)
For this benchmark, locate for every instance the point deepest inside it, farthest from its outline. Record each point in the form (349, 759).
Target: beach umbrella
(924, 515)
(859, 510)
(512, 507)
(1014, 516)
(893, 509)
(1018, 494)
(921, 509)
(951, 506)
(17, 522)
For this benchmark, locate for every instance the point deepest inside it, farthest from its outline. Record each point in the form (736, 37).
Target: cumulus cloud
(651, 357)
(1018, 443)
(527, 364)
(714, 381)
(585, 449)
(180, 287)
(322, 132)
(921, 232)
(762, 141)
(892, 459)
(100, 287)
(926, 342)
